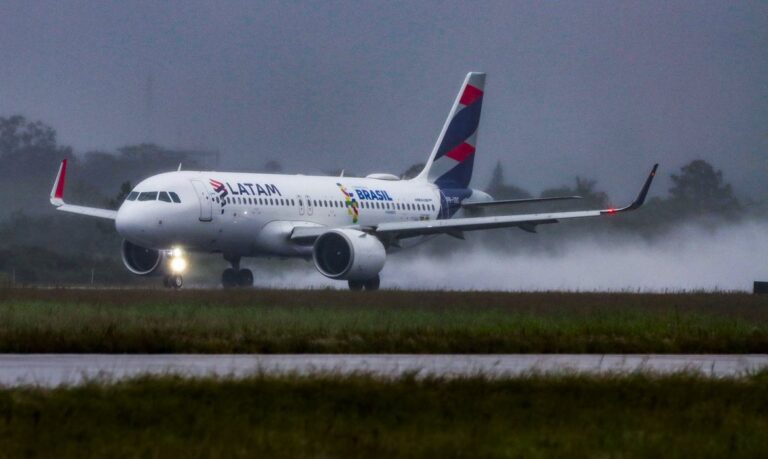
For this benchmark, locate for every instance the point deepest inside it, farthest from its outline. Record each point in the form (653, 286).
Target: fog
(691, 258)
(601, 89)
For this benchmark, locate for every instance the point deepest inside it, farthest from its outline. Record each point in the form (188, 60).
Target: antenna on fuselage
(179, 169)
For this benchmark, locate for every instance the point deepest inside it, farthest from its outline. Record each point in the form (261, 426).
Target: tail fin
(450, 164)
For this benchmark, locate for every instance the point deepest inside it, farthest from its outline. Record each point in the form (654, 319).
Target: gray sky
(599, 89)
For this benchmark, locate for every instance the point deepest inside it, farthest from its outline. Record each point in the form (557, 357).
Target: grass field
(274, 321)
(678, 416)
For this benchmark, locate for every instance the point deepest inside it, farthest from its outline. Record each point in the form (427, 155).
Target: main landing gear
(369, 284)
(236, 277)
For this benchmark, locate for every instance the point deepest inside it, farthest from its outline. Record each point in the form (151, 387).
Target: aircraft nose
(133, 224)
(125, 224)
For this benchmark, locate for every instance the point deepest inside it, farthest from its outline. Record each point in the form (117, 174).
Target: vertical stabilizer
(451, 162)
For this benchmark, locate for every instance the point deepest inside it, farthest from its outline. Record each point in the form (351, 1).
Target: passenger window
(132, 196)
(164, 197)
(148, 196)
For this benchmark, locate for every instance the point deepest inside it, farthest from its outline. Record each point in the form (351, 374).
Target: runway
(50, 370)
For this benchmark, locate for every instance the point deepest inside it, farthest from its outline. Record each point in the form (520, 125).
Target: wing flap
(470, 205)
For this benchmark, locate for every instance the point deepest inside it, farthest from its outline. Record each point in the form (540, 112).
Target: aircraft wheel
(245, 278)
(372, 284)
(229, 278)
(175, 281)
(355, 286)
(167, 281)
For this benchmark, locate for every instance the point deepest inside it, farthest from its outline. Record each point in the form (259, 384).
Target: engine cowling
(348, 254)
(142, 261)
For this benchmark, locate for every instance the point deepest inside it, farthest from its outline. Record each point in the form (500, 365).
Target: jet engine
(143, 261)
(349, 255)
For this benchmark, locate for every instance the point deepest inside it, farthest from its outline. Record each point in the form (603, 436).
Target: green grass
(681, 415)
(134, 321)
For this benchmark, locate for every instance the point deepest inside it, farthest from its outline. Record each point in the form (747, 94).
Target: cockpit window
(148, 196)
(132, 196)
(163, 196)
(175, 197)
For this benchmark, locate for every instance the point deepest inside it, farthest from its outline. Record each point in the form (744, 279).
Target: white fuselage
(254, 214)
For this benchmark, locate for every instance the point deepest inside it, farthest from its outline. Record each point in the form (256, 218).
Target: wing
(399, 230)
(57, 199)
(473, 205)
(527, 221)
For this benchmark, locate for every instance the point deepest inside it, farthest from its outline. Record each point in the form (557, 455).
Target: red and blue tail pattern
(453, 160)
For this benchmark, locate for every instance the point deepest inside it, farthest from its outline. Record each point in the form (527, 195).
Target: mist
(598, 89)
(691, 258)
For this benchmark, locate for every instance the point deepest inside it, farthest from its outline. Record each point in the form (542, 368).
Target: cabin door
(206, 201)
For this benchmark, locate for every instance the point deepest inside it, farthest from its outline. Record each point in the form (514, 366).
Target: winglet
(640, 200)
(57, 192)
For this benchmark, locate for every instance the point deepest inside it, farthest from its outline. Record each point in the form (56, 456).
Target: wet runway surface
(56, 369)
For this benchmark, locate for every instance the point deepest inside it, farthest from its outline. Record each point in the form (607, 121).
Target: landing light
(178, 265)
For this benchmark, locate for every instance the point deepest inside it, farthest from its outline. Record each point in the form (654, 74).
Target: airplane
(345, 225)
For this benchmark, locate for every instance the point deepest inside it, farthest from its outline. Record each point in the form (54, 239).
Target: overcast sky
(598, 89)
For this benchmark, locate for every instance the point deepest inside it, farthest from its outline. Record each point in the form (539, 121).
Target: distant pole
(93, 274)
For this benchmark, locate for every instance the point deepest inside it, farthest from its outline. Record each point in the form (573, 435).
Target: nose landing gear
(177, 264)
(174, 281)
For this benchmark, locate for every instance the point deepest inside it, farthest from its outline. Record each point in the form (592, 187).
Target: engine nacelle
(348, 254)
(143, 261)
